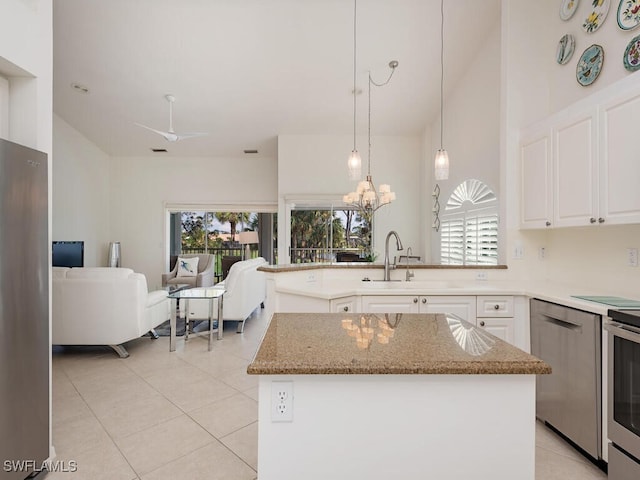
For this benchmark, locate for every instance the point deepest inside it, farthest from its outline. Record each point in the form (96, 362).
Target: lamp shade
(354, 165)
(442, 165)
(247, 237)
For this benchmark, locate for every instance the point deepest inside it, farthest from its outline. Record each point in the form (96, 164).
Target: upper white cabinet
(579, 166)
(575, 170)
(620, 160)
(535, 163)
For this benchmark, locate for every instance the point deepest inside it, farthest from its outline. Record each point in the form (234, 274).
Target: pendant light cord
(441, 71)
(355, 6)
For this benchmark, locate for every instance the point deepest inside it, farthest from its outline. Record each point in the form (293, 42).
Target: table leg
(186, 319)
(211, 323)
(220, 317)
(172, 325)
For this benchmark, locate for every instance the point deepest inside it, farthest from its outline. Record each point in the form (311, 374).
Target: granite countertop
(298, 267)
(333, 343)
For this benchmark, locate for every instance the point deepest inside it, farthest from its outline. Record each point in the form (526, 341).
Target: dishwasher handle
(564, 323)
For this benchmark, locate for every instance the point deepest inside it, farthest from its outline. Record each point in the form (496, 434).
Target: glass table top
(209, 292)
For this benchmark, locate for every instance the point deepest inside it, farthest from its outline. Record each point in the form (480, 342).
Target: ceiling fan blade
(182, 136)
(168, 136)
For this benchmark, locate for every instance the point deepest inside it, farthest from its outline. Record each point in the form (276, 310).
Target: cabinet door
(535, 180)
(575, 182)
(502, 328)
(619, 165)
(344, 305)
(390, 304)
(462, 306)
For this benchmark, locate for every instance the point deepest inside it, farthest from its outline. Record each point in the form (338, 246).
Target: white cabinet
(535, 179)
(580, 166)
(619, 165)
(462, 306)
(344, 305)
(495, 314)
(575, 170)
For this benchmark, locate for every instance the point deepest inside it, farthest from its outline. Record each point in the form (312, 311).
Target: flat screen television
(68, 254)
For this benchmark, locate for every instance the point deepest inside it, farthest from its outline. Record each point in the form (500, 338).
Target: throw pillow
(187, 267)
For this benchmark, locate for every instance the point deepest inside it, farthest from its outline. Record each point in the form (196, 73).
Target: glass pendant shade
(442, 165)
(354, 164)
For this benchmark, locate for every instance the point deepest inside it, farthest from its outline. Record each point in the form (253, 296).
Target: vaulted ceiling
(246, 71)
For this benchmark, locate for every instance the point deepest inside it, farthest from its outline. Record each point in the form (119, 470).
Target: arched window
(469, 228)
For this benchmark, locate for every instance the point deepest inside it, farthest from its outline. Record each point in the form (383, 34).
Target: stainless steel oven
(624, 394)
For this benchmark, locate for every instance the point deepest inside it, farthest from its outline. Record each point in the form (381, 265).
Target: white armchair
(104, 306)
(204, 278)
(246, 289)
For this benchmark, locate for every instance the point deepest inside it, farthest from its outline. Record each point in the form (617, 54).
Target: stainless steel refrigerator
(24, 310)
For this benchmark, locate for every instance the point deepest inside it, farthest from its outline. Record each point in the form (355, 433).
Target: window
(469, 229)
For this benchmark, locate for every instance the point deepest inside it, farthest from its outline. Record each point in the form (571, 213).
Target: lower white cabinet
(462, 306)
(344, 305)
(495, 315)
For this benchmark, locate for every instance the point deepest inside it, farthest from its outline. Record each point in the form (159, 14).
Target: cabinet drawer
(494, 306)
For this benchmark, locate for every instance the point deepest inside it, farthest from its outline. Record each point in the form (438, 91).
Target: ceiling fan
(170, 135)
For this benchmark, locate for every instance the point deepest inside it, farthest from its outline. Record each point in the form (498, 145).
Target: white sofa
(104, 306)
(246, 289)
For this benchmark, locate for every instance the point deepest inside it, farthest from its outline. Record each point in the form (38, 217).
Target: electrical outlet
(632, 257)
(282, 401)
(482, 276)
(542, 253)
(311, 277)
(518, 251)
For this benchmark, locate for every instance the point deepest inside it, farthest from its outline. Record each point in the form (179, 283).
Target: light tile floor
(189, 414)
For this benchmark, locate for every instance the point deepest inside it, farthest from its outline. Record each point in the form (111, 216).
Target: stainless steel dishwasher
(570, 398)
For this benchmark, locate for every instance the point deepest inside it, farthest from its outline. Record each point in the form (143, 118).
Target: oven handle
(624, 331)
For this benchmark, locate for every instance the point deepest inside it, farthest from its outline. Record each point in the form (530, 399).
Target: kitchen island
(350, 396)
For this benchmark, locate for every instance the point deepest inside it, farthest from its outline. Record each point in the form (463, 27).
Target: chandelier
(369, 327)
(366, 198)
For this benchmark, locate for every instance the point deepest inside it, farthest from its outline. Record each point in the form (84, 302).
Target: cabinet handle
(424, 300)
(592, 220)
(496, 307)
(600, 220)
(548, 223)
(346, 309)
(415, 300)
(482, 323)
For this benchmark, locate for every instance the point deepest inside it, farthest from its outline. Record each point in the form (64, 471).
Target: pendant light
(354, 164)
(442, 157)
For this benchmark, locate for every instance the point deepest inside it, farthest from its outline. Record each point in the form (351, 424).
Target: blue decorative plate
(566, 46)
(595, 19)
(631, 57)
(590, 65)
(568, 8)
(628, 14)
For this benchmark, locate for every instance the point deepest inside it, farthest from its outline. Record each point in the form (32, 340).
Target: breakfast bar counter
(375, 396)
(331, 343)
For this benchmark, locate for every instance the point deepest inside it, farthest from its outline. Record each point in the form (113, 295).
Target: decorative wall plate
(568, 8)
(566, 46)
(595, 19)
(628, 14)
(590, 65)
(631, 57)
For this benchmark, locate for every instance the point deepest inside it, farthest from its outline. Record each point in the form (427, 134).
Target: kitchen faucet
(409, 274)
(387, 267)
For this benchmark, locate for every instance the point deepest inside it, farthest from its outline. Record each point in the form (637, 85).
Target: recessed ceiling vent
(159, 150)
(250, 151)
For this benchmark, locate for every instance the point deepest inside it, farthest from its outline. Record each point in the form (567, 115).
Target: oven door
(624, 387)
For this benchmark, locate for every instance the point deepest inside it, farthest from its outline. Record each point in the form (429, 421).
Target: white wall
(471, 132)
(81, 192)
(317, 165)
(593, 257)
(142, 187)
